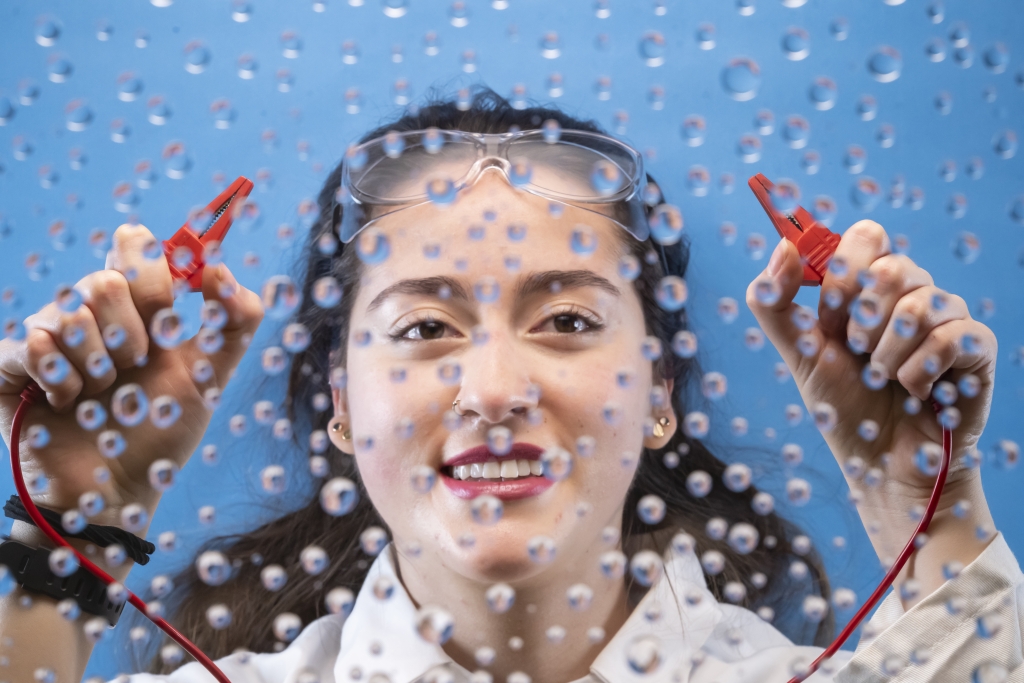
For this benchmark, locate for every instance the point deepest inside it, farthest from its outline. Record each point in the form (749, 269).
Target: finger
(243, 311)
(770, 298)
(913, 317)
(138, 256)
(79, 339)
(892, 277)
(109, 297)
(860, 245)
(38, 358)
(956, 344)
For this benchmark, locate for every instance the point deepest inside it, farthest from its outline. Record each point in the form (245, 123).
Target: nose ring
(455, 407)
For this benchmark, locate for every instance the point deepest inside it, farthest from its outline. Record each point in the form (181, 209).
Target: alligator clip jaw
(221, 211)
(814, 241)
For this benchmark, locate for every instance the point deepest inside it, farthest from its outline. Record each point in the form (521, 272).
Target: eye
(425, 330)
(573, 321)
(569, 322)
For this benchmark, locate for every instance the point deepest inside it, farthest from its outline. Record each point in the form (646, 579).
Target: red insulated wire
(30, 395)
(908, 550)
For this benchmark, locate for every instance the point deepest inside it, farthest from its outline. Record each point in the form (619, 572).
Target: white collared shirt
(971, 620)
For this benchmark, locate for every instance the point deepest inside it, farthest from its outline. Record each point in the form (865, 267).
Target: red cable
(30, 395)
(908, 550)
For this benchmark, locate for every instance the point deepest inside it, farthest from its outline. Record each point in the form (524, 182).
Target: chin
(498, 557)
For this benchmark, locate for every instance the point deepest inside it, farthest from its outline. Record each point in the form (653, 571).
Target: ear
(342, 418)
(656, 442)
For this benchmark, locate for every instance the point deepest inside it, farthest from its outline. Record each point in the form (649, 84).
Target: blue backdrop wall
(113, 107)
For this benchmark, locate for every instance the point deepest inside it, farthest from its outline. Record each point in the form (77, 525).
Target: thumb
(244, 311)
(770, 298)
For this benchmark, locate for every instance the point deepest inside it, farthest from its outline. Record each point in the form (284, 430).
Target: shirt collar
(689, 614)
(389, 627)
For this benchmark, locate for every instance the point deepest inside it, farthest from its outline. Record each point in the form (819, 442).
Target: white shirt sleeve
(968, 629)
(310, 657)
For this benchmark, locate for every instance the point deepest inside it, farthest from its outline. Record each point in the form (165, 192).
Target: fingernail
(775, 263)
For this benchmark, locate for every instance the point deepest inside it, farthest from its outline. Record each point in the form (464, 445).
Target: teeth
(493, 469)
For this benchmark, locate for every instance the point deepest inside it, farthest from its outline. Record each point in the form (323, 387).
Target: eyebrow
(527, 286)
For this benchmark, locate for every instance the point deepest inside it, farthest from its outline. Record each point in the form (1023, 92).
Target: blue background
(310, 127)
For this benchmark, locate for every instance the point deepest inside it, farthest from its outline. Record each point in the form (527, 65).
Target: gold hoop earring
(346, 435)
(659, 426)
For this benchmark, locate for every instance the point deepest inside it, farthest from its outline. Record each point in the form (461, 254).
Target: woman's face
(502, 347)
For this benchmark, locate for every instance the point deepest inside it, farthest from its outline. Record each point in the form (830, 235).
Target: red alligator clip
(220, 220)
(814, 241)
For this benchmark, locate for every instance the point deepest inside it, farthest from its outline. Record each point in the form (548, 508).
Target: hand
(903, 330)
(126, 297)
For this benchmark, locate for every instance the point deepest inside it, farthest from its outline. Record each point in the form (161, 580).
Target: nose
(496, 387)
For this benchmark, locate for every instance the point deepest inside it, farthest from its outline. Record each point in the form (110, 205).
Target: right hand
(110, 298)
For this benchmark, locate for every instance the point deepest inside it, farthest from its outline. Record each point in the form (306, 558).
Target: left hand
(903, 325)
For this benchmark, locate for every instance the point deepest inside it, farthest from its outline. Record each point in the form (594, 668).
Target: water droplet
(823, 93)
(646, 567)
(959, 34)
(866, 193)
(291, 44)
(885, 64)
(967, 247)
(643, 654)
(693, 130)
(60, 69)
(48, 30)
(997, 58)
(90, 415)
(796, 44)
(338, 496)
(741, 79)
(1005, 144)
(671, 293)
(935, 50)
(749, 148)
(706, 36)
(839, 28)
(651, 509)
(796, 132)
(197, 57)
(434, 624)
(487, 509)
(957, 205)
(556, 463)
(129, 405)
(652, 48)
(541, 549)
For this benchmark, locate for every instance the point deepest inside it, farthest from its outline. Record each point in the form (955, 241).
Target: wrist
(33, 536)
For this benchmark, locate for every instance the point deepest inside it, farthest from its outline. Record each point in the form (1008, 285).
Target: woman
(511, 328)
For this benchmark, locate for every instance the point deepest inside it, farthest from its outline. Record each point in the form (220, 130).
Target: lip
(514, 489)
(520, 451)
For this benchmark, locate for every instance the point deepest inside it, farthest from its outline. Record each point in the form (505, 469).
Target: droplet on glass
(741, 79)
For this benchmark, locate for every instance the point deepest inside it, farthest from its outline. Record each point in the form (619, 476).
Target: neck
(523, 638)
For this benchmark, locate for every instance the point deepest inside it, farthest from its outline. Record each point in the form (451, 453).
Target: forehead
(491, 221)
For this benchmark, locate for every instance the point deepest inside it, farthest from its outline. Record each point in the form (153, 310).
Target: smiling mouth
(495, 470)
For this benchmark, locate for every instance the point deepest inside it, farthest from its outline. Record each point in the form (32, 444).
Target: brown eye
(430, 329)
(568, 323)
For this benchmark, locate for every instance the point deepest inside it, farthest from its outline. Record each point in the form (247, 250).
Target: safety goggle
(401, 170)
